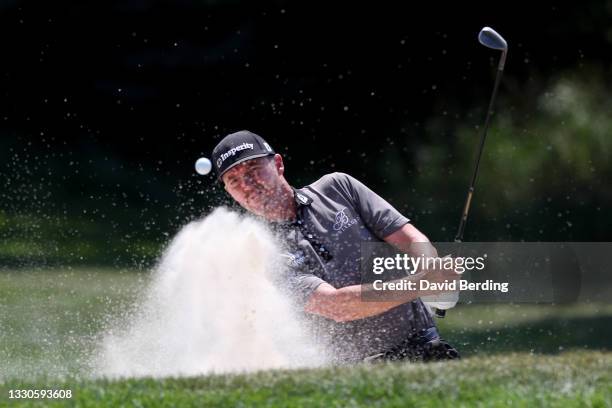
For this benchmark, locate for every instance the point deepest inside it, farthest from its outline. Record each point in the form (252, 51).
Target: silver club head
(491, 39)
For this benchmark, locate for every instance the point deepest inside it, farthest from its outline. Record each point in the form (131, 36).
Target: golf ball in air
(203, 166)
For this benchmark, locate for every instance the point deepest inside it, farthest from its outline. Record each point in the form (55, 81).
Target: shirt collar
(301, 199)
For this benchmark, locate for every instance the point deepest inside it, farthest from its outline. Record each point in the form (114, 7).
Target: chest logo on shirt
(342, 221)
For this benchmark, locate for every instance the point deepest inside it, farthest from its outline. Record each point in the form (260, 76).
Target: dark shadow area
(106, 106)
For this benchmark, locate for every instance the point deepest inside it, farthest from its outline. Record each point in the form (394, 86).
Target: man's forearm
(347, 303)
(411, 241)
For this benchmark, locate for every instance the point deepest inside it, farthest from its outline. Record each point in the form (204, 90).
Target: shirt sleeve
(303, 273)
(377, 214)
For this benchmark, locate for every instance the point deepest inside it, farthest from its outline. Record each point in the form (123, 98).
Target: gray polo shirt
(335, 215)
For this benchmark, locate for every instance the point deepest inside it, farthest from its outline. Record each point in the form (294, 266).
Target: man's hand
(441, 275)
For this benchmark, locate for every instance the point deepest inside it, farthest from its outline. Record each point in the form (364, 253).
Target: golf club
(490, 39)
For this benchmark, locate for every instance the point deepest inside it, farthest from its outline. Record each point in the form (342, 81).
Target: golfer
(324, 224)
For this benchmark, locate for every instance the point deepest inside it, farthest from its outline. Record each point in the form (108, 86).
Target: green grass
(49, 319)
(574, 379)
(547, 329)
(525, 355)
(58, 239)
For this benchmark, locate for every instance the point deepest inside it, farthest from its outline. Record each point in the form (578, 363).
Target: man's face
(256, 184)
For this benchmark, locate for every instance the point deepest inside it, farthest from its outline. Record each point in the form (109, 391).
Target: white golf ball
(203, 166)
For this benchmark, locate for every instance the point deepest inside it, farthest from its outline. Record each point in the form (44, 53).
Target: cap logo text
(232, 152)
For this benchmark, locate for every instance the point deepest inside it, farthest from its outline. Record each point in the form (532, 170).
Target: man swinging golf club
(324, 224)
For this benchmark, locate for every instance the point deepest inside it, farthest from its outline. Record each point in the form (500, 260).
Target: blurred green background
(100, 124)
(545, 176)
(106, 106)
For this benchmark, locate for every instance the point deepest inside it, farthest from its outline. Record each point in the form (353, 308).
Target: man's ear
(278, 163)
